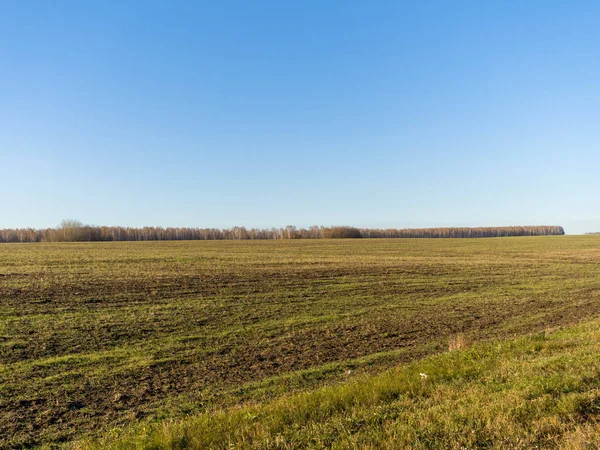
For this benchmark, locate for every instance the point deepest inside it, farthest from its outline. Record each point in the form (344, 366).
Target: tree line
(74, 231)
(465, 232)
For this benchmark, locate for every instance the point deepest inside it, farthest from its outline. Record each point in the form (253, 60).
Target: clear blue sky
(375, 114)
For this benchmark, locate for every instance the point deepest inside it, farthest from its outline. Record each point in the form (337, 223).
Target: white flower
(423, 376)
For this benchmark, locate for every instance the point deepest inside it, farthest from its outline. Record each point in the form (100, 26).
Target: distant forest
(74, 231)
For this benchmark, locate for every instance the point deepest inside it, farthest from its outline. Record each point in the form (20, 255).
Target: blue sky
(374, 114)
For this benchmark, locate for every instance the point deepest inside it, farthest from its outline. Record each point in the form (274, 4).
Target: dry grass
(456, 342)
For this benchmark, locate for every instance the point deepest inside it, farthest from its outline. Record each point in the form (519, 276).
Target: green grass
(103, 336)
(539, 391)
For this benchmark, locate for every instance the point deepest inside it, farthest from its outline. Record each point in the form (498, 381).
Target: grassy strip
(539, 391)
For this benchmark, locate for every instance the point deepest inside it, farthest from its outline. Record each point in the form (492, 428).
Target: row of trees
(464, 232)
(74, 231)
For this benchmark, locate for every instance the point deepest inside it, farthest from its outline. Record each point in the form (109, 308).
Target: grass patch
(539, 391)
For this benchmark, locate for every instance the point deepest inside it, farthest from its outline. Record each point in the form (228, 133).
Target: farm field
(539, 391)
(97, 336)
